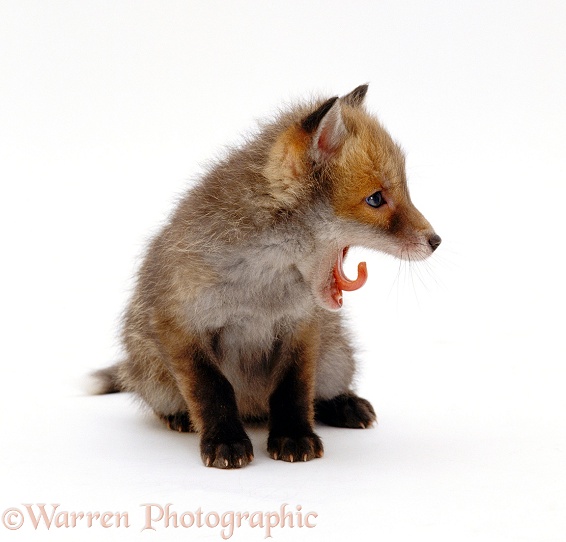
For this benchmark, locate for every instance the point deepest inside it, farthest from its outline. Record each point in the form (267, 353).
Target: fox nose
(434, 241)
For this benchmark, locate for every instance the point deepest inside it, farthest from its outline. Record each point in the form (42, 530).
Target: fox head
(345, 160)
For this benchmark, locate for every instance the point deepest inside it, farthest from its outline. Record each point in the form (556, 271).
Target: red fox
(236, 312)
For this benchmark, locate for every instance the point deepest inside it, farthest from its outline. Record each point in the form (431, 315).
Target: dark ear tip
(356, 97)
(362, 90)
(310, 123)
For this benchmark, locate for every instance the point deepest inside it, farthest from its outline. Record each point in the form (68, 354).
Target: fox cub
(236, 312)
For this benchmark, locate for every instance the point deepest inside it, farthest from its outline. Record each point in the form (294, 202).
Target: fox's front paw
(346, 410)
(302, 448)
(226, 455)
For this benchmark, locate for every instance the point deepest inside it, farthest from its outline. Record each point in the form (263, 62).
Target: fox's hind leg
(335, 402)
(180, 421)
(345, 410)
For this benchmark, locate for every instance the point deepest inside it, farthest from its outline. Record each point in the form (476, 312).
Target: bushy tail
(106, 381)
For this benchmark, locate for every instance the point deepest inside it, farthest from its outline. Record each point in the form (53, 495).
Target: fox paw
(180, 421)
(346, 410)
(226, 455)
(302, 448)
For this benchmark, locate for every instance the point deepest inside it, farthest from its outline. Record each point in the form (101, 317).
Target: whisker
(396, 281)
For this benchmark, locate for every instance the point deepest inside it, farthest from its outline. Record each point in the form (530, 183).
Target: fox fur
(236, 311)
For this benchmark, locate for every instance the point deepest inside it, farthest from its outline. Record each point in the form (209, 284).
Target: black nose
(434, 241)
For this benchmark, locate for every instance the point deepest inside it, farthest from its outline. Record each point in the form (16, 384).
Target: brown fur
(232, 318)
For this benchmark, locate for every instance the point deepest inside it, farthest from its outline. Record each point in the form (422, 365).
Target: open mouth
(339, 282)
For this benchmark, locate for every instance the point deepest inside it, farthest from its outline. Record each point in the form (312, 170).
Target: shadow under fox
(236, 312)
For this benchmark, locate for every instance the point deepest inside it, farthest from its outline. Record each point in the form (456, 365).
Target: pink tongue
(343, 282)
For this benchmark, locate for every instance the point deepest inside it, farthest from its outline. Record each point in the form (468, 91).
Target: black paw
(180, 421)
(226, 455)
(301, 448)
(346, 410)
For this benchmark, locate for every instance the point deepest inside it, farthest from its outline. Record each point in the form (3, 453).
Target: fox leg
(180, 421)
(291, 414)
(345, 410)
(214, 414)
(335, 403)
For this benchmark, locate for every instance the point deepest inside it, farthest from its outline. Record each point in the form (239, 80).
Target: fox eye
(375, 200)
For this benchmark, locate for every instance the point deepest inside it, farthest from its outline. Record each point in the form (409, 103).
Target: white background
(108, 109)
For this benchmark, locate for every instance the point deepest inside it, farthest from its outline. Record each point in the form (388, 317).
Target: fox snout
(403, 231)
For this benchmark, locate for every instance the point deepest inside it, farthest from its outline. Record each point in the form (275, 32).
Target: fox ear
(356, 97)
(328, 129)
